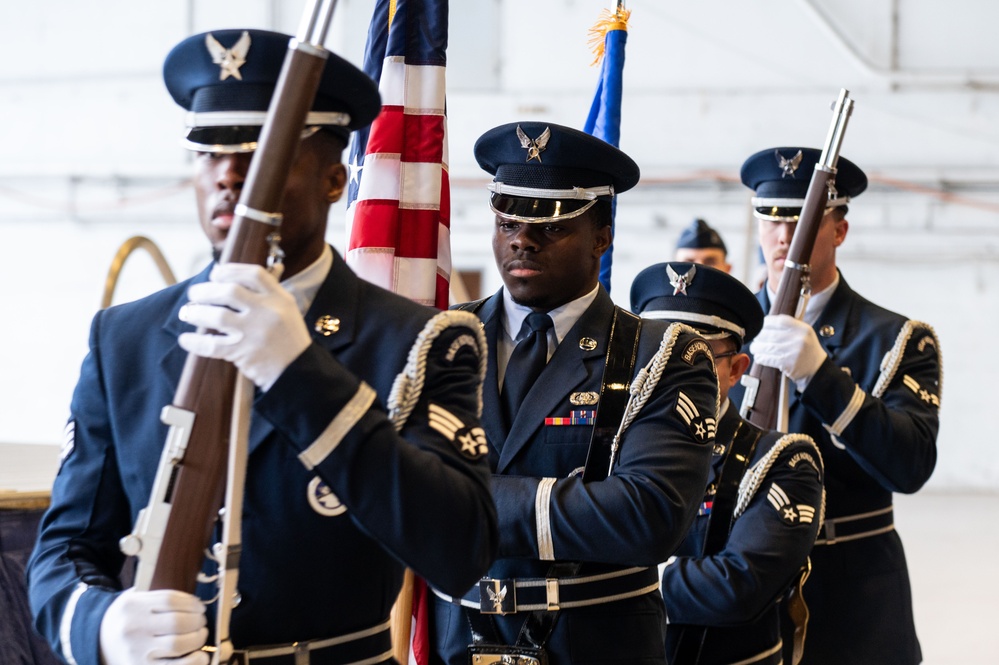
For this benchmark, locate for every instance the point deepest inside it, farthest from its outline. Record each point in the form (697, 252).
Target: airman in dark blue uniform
(867, 385)
(763, 504)
(585, 515)
(338, 499)
(700, 243)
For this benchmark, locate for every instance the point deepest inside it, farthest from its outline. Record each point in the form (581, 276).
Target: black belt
(854, 527)
(511, 595)
(363, 647)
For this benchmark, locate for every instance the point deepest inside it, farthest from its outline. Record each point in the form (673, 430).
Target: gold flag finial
(610, 19)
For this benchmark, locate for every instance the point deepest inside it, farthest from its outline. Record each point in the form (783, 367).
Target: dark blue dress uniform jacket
(859, 593)
(410, 497)
(636, 517)
(734, 592)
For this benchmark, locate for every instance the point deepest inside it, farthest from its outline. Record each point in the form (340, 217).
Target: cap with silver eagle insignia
(780, 179)
(544, 172)
(225, 80)
(711, 301)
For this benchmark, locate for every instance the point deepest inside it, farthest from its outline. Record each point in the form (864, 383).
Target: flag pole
(402, 618)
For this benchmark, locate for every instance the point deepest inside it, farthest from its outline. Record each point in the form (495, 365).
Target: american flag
(398, 202)
(608, 38)
(398, 197)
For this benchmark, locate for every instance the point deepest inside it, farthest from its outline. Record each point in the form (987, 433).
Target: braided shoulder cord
(753, 478)
(891, 361)
(408, 384)
(648, 377)
(646, 380)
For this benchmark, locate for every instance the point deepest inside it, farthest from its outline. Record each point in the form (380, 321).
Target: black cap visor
(786, 214)
(238, 138)
(534, 210)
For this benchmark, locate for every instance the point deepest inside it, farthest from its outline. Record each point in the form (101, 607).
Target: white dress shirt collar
(563, 317)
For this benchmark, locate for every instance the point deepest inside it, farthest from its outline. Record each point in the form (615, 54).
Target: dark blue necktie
(528, 359)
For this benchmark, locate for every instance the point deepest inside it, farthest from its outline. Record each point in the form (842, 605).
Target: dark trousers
(19, 643)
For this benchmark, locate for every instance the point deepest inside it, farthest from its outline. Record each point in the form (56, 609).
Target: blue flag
(610, 35)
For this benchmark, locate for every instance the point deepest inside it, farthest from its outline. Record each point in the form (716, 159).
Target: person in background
(337, 499)
(762, 505)
(583, 521)
(866, 386)
(699, 243)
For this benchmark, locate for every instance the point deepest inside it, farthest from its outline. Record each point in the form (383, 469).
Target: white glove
(791, 346)
(154, 628)
(262, 331)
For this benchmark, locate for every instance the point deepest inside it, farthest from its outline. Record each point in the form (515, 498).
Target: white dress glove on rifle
(790, 345)
(163, 627)
(261, 329)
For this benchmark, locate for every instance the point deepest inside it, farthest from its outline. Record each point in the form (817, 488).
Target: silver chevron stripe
(776, 496)
(686, 408)
(444, 421)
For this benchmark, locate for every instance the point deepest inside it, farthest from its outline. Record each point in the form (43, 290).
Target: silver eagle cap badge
(680, 282)
(229, 60)
(536, 146)
(788, 166)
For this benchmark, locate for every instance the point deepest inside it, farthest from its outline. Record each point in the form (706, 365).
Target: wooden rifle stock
(174, 530)
(763, 403)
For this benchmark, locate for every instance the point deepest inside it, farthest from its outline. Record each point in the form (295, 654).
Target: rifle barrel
(172, 536)
(762, 402)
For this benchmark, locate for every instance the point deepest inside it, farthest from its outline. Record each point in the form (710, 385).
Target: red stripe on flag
(424, 139)
(417, 234)
(445, 210)
(420, 642)
(413, 233)
(387, 131)
(417, 138)
(381, 217)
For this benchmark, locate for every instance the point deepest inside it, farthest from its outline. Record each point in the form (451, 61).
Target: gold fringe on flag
(616, 19)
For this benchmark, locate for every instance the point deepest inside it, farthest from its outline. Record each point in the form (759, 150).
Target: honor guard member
(576, 578)
(700, 243)
(763, 503)
(867, 385)
(337, 501)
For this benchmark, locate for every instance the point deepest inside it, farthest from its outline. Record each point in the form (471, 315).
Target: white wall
(90, 156)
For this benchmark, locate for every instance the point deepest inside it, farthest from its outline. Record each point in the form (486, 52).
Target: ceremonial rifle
(172, 533)
(765, 401)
